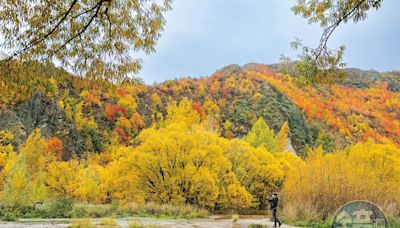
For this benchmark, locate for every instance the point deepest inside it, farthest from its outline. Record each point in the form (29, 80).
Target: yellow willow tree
(6, 150)
(61, 178)
(88, 187)
(7, 158)
(323, 183)
(37, 157)
(120, 182)
(24, 176)
(36, 154)
(18, 185)
(258, 170)
(182, 163)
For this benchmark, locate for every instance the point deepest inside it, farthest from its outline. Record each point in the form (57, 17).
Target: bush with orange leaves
(54, 146)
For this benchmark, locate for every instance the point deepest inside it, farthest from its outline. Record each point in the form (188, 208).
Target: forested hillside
(365, 105)
(87, 115)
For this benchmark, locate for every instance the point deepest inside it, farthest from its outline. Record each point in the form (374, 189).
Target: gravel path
(212, 222)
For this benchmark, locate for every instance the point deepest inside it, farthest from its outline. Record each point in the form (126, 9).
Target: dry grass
(301, 211)
(235, 218)
(108, 222)
(82, 223)
(164, 210)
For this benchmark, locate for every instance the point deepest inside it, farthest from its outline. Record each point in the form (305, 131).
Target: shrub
(304, 211)
(82, 223)
(80, 212)
(9, 216)
(10, 213)
(394, 222)
(164, 210)
(60, 208)
(258, 226)
(92, 211)
(136, 224)
(314, 224)
(108, 222)
(235, 218)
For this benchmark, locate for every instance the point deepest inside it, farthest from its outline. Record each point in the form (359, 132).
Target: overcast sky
(202, 36)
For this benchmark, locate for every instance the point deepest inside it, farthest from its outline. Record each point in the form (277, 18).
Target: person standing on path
(274, 206)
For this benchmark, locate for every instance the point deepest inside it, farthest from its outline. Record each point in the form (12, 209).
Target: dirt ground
(212, 222)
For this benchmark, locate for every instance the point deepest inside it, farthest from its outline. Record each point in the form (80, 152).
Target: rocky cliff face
(44, 114)
(10, 121)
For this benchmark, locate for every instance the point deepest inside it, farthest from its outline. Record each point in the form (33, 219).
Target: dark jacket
(273, 203)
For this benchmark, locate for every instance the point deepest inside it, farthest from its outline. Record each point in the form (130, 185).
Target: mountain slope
(359, 108)
(87, 116)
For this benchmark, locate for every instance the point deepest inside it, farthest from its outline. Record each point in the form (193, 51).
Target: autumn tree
(18, 186)
(370, 170)
(5, 142)
(36, 154)
(182, 113)
(119, 182)
(61, 178)
(262, 135)
(7, 157)
(323, 64)
(282, 137)
(128, 102)
(233, 195)
(228, 127)
(94, 38)
(156, 100)
(259, 171)
(183, 163)
(88, 188)
(82, 122)
(54, 146)
(68, 112)
(173, 162)
(204, 189)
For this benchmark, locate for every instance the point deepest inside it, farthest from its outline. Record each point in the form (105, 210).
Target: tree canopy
(95, 38)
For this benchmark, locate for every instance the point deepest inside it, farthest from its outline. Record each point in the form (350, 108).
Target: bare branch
(97, 7)
(330, 29)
